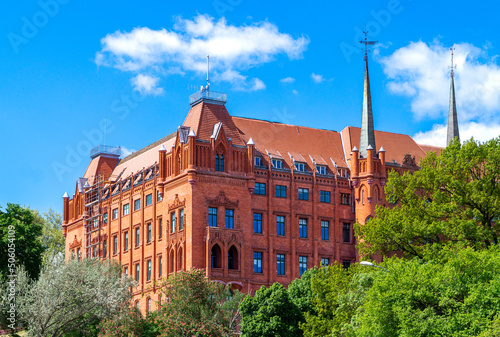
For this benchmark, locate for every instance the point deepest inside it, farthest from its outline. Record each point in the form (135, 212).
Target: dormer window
(321, 169)
(301, 167)
(277, 163)
(258, 161)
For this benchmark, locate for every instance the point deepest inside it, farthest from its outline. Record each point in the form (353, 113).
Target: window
(280, 191)
(260, 189)
(125, 241)
(115, 245)
(181, 220)
(324, 196)
(95, 222)
(229, 218)
(137, 204)
(160, 228)
(257, 223)
(325, 262)
(303, 228)
(160, 266)
(125, 271)
(137, 236)
(158, 196)
(346, 264)
(148, 304)
(325, 230)
(172, 222)
(104, 248)
(149, 270)
(105, 218)
(219, 162)
(257, 262)
(363, 196)
(280, 225)
(375, 196)
(280, 264)
(215, 257)
(79, 254)
(180, 260)
(302, 264)
(137, 272)
(115, 214)
(303, 194)
(232, 258)
(301, 167)
(346, 232)
(258, 161)
(212, 217)
(277, 163)
(149, 233)
(149, 199)
(126, 209)
(345, 198)
(321, 169)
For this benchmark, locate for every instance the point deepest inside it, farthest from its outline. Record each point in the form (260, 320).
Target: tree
(68, 296)
(20, 241)
(301, 293)
(52, 237)
(453, 198)
(270, 312)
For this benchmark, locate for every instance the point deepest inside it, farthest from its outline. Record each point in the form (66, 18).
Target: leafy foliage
(453, 198)
(52, 238)
(271, 312)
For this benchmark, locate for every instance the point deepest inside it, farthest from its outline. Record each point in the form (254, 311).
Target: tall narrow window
(212, 217)
(125, 241)
(215, 256)
(222, 163)
(104, 248)
(158, 196)
(303, 228)
(229, 218)
(232, 258)
(302, 264)
(181, 260)
(149, 270)
(179, 163)
(375, 196)
(137, 236)
(280, 264)
(115, 214)
(137, 272)
(115, 245)
(363, 196)
(325, 230)
(105, 218)
(126, 209)
(149, 199)
(219, 162)
(160, 228)
(149, 232)
(181, 219)
(346, 232)
(325, 262)
(160, 266)
(280, 225)
(172, 221)
(257, 223)
(125, 270)
(137, 204)
(257, 262)
(217, 168)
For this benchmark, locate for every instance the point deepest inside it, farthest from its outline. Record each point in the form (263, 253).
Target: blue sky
(67, 64)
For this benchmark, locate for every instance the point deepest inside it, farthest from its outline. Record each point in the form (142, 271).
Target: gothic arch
(180, 259)
(233, 261)
(171, 261)
(216, 256)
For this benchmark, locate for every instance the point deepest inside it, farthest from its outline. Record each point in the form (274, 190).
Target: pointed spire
(251, 142)
(367, 131)
(65, 195)
(452, 113)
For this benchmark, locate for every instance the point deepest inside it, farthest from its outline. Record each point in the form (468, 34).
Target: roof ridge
(148, 147)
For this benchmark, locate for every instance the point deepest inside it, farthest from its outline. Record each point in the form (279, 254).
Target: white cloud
(295, 92)
(317, 78)
(287, 80)
(479, 131)
(231, 48)
(147, 85)
(126, 152)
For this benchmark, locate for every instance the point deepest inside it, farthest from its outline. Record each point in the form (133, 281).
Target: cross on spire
(452, 66)
(367, 43)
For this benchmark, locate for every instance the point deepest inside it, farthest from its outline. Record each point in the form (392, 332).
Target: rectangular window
(137, 236)
(257, 262)
(260, 189)
(280, 191)
(325, 262)
(229, 218)
(104, 248)
(345, 198)
(303, 194)
(321, 169)
(257, 223)
(258, 161)
(115, 214)
(302, 264)
(149, 270)
(125, 271)
(158, 196)
(346, 264)
(181, 219)
(149, 232)
(212, 217)
(280, 225)
(95, 222)
(280, 264)
(303, 228)
(346, 231)
(137, 272)
(137, 204)
(160, 228)
(160, 266)
(115, 245)
(149, 199)
(324, 196)
(172, 222)
(125, 241)
(325, 230)
(126, 209)
(277, 163)
(105, 218)
(301, 167)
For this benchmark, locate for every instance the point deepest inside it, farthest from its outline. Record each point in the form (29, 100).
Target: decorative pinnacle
(251, 142)
(65, 195)
(191, 133)
(162, 148)
(367, 43)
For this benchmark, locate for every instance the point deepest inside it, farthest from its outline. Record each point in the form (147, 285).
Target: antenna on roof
(104, 132)
(208, 72)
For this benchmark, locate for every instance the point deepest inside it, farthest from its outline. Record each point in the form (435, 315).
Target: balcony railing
(207, 95)
(104, 149)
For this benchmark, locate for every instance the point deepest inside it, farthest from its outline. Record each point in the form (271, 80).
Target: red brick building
(249, 201)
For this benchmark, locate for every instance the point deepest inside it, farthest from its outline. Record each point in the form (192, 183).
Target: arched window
(215, 257)
(181, 262)
(217, 168)
(172, 262)
(232, 258)
(376, 197)
(179, 163)
(219, 162)
(363, 196)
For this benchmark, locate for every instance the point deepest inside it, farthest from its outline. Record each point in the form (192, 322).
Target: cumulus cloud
(287, 80)
(317, 78)
(421, 72)
(147, 85)
(126, 152)
(232, 49)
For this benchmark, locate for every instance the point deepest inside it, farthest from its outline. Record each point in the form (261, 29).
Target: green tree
(52, 238)
(270, 312)
(453, 198)
(20, 233)
(301, 293)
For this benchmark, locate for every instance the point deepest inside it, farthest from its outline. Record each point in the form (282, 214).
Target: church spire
(452, 113)
(367, 131)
